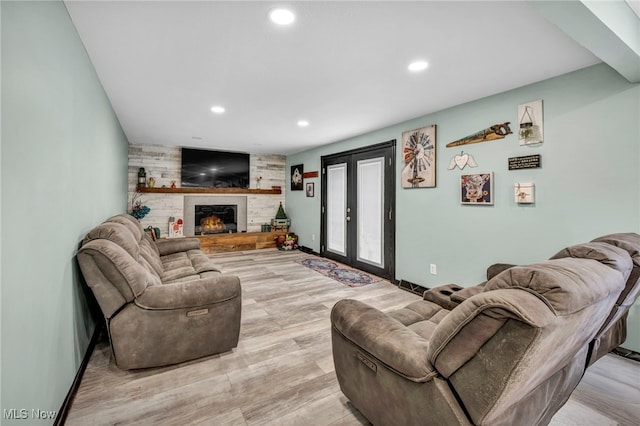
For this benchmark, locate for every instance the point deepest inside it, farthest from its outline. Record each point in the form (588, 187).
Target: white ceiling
(342, 65)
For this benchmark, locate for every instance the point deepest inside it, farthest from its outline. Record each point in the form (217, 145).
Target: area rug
(341, 273)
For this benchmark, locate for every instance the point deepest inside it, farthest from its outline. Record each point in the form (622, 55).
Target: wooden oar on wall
(497, 131)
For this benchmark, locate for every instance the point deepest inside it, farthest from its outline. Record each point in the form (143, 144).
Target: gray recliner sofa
(164, 302)
(509, 351)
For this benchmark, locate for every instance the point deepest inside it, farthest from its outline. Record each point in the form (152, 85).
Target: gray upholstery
(163, 302)
(508, 351)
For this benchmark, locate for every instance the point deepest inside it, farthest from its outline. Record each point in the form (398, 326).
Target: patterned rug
(341, 273)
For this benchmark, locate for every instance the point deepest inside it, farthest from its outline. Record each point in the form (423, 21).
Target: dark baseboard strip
(627, 353)
(308, 250)
(66, 405)
(412, 288)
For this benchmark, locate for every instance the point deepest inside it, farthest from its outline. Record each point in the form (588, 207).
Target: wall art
(310, 189)
(462, 161)
(419, 158)
(526, 162)
(530, 123)
(497, 131)
(524, 192)
(476, 189)
(296, 177)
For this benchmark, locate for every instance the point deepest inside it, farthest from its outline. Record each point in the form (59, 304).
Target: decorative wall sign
(296, 177)
(477, 189)
(530, 123)
(526, 162)
(308, 175)
(524, 192)
(461, 161)
(497, 131)
(419, 158)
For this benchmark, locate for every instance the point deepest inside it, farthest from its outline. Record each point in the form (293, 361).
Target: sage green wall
(64, 169)
(588, 184)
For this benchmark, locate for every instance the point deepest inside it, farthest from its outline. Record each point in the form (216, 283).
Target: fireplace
(205, 215)
(215, 219)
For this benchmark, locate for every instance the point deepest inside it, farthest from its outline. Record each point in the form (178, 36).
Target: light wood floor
(282, 373)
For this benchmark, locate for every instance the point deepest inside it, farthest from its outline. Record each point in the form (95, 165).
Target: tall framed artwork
(530, 123)
(419, 158)
(477, 189)
(296, 177)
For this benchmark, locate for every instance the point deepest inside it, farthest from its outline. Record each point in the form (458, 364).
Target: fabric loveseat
(509, 351)
(164, 302)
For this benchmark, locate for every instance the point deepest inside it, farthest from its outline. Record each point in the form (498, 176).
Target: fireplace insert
(216, 219)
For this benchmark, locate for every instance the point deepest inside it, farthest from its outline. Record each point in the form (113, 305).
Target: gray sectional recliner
(509, 351)
(164, 302)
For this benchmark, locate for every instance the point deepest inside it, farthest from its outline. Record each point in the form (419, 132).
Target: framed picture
(310, 186)
(419, 158)
(296, 177)
(477, 189)
(530, 123)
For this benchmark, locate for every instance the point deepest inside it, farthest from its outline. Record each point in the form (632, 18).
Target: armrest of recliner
(190, 294)
(383, 337)
(176, 245)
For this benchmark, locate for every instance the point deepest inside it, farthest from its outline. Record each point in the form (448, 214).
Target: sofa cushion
(116, 233)
(130, 223)
(585, 280)
(627, 241)
(184, 264)
(604, 253)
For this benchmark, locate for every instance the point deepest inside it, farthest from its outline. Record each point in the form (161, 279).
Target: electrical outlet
(432, 269)
(313, 237)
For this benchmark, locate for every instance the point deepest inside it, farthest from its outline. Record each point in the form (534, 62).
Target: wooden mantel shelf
(209, 191)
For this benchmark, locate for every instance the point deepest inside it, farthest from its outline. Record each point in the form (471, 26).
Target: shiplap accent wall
(163, 164)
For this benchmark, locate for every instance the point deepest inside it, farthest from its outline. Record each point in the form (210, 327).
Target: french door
(358, 197)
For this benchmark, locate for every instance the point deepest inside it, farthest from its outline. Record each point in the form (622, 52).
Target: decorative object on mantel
(524, 192)
(258, 179)
(419, 158)
(175, 227)
(137, 209)
(287, 242)
(153, 233)
(296, 177)
(341, 273)
(265, 227)
(477, 189)
(173, 184)
(461, 161)
(142, 178)
(310, 189)
(531, 123)
(152, 182)
(525, 162)
(281, 222)
(309, 175)
(497, 131)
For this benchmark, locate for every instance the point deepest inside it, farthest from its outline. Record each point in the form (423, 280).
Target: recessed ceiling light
(303, 123)
(282, 16)
(217, 109)
(213, 169)
(418, 66)
(202, 174)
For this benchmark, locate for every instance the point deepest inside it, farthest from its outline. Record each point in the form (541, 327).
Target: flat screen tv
(214, 169)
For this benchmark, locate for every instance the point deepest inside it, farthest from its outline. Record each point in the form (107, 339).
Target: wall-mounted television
(214, 169)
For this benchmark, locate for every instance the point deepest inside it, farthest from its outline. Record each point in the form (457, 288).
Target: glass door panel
(336, 209)
(370, 240)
